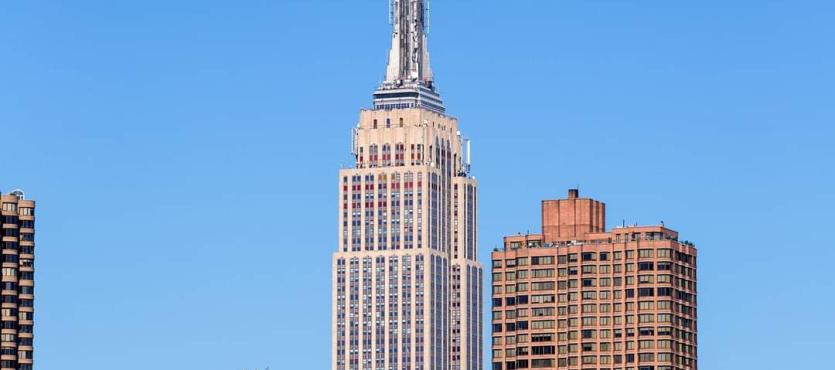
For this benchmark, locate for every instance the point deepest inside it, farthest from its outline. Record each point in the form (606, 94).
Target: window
(542, 324)
(543, 273)
(546, 311)
(546, 260)
(537, 299)
(646, 266)
(572, 257)
(542, 338)
(548, 285)
(588, 256)
(646, 292)
(645, 253)
(542, 362)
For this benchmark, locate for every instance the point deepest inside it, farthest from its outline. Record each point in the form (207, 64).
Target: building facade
(579, 297)
(407, 286)
(18, 293)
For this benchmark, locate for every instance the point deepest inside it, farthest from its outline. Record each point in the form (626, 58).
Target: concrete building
(16, 308)
(579, 297)
(406, 278)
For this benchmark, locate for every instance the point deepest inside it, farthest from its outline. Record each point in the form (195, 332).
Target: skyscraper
(16, 308)
(406, 278)
(579, 297)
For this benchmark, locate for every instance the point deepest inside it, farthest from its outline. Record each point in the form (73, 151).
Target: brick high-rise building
(16, 308)
(579, 297)
(406, 278)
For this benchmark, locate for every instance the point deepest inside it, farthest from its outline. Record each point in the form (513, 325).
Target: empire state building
(407, 288)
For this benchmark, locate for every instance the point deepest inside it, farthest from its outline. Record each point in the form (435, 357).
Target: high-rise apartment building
(579, 297)
(406, 278)
(16, 308)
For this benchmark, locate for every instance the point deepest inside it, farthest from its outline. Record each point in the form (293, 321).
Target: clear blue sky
(184, 157)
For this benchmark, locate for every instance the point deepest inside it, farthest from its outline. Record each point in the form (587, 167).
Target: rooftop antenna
(426, 16)
(391, 12)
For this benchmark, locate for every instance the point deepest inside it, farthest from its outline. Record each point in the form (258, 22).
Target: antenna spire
(408, 61)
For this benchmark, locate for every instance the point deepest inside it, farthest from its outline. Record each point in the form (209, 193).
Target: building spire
(409, 81)
(408, 57)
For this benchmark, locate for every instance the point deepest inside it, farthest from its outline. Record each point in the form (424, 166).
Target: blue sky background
(184, 157)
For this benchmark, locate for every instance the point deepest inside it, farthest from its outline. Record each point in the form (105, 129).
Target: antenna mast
(391, 11)
(426, 15)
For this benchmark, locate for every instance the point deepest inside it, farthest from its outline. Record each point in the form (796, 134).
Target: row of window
(594, 360)
(575, 348)
(604, 346)
(596, 269)
(593, 295)
(590, 321)
(574, 309)
(592, 283)
(12, 207)
(595, 256)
